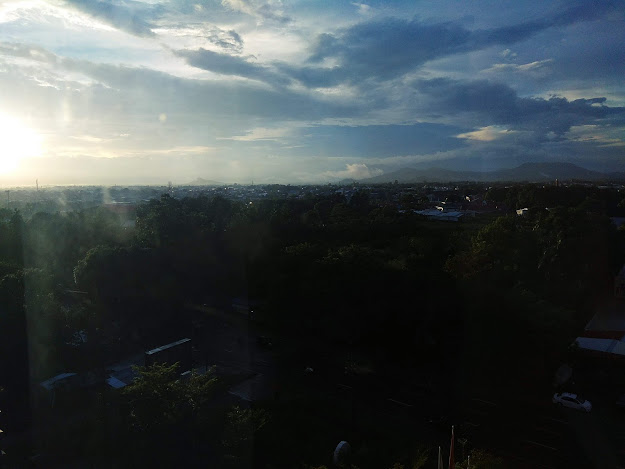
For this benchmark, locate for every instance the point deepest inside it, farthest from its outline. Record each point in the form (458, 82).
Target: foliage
(335, 276)
(241, 425)
(159, 398)
(560, 254)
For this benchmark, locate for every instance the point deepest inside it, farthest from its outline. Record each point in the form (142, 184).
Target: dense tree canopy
(349, 283)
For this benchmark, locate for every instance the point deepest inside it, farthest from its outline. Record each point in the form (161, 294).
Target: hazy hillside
(204, 182)
(530, 172)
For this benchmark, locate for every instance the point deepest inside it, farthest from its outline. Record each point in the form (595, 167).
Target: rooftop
(165, 347)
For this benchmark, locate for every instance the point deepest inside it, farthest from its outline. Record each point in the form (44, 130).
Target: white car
(573, 401)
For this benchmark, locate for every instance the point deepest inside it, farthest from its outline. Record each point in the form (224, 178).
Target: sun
(17, 141)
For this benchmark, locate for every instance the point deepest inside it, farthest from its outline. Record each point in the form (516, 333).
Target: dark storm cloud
(131, 17)
(391, 47)
(494, 103)
(226, 64)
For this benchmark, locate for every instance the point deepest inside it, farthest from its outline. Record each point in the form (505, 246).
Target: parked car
(620, 402)
(573, 401)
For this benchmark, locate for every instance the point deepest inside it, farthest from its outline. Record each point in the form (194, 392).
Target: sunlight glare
(17, 142)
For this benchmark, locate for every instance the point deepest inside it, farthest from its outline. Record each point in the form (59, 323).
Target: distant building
(179, 351)
(61, 385)
(444, 215)
(608, 348)
(61, 381)
(608, 322)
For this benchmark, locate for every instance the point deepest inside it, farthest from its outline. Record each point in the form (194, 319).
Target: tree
(241, 426)
(159, 398)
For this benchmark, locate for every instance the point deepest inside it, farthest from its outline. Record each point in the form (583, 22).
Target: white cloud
(363, 8)
(528, 67)
(88, 138)
(604, 137)
(353, 171)
(507, 53)
(487, 134)
(34, 12)
(261, 9)
(260, 133)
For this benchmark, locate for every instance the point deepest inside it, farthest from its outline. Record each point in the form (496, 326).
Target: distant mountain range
(527, 172)
(204, 182)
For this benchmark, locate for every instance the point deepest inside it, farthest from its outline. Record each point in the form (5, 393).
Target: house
(608, 322)
(61, 381)
(175, 352)
(609, 348)
(60, 384)
(604, 335)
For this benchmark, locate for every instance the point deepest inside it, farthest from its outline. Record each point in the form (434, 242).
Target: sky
(305, 91)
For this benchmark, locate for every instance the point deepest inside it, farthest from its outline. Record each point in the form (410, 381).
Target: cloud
(134, 98)
(387, 48)
(265, 10)
(604, 137)
(363, 8)
(129, 17)
(227, 64)
(27, 51)
(487, 134)
(261, 134)
(228, 40)
(494, 103)
(507, 53)
(528, 67)
(315, 77)
(591, 52)
(354, 171)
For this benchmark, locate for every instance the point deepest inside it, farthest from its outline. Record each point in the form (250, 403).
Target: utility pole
(8, 198)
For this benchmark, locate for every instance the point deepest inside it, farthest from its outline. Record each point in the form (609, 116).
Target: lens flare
(17, 141)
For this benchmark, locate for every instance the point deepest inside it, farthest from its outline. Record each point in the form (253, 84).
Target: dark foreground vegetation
(355, 302)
